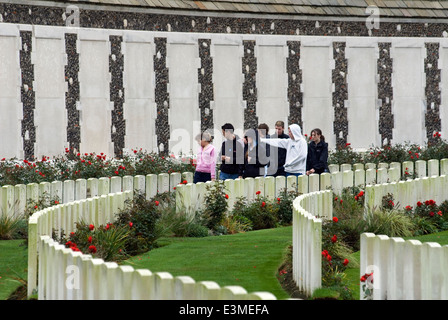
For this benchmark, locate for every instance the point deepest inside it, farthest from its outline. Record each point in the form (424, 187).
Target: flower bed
(72, 166)
(436, 149)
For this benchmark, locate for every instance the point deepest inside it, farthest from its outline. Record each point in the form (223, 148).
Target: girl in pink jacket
(205, 159)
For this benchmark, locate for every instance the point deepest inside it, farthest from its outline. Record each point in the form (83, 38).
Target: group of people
(260, 154)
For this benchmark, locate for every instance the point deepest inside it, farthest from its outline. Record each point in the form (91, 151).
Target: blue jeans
(224, 176)
(293, 174)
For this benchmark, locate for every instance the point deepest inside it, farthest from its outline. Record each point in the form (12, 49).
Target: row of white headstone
(62, 274)
(68, 275)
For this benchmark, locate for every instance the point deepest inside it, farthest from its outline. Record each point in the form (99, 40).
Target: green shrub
(197, 230)
(261, 213)
(344, 155)
(12, 226)
(393, 153)
(393, 223)
(142, 215)
(215, 204)
(105, 242)
(285, 206)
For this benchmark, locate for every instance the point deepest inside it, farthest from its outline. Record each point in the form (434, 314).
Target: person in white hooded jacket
(296, 150)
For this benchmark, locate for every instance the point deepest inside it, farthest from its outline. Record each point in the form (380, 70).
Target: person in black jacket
(231, 155)
(255, 158)
(317, 158)
(278, 155)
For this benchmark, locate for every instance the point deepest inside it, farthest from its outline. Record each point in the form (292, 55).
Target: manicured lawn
(249, 260)
(13, 265)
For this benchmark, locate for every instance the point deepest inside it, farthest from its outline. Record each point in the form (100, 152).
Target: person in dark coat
(231, 154)
(255, 158)
(278, 155)
(317, 159)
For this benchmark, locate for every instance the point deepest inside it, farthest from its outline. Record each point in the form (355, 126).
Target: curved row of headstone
(308, 211)
(59, 273)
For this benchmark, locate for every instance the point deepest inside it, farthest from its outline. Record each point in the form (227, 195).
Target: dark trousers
(201, 177)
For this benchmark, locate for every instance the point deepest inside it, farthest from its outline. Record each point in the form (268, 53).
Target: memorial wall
(113, 80)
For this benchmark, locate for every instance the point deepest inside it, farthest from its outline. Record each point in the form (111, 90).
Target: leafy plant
(215, 204)
(261, 213)
(10, 225)
(344, 154)
(104, 242)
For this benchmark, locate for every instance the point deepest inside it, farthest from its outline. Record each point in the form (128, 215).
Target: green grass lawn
(13, 266)
(249, 260)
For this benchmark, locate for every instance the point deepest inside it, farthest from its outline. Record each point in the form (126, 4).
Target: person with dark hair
(317, 159)
(277, 168)
(255, 158)
(263, 132)
(231, 154)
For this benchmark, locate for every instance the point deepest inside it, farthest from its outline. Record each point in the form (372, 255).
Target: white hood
(296, 132)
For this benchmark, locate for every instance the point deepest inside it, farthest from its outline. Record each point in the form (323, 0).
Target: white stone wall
(183, 64)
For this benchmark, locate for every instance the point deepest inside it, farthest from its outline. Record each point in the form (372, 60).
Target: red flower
(69, 244)
(89, 239)
(345, 262)
(334, 239)
(439, 213)
(419, 204)
(130, 224)
(227, 196)
(408, 208)
(185, 182)
(91, 227)
(335, 219)
(431, 214)
(258, 192)
(263, 204)
(156, 203)
(92, 249)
